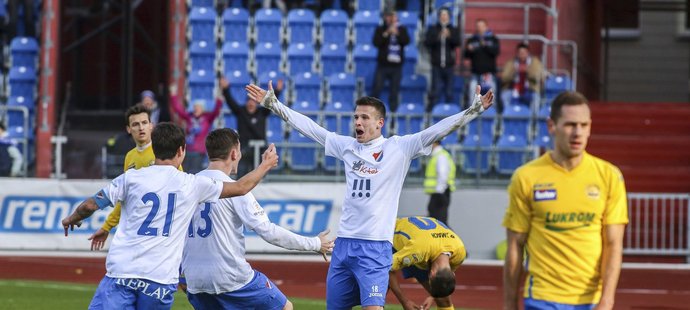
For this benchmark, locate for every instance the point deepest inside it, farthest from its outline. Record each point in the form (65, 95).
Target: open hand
(98, 239)
(257, 93)
(486, 101)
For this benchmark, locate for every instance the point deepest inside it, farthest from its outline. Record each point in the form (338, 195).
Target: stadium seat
(22, 82)
(334, 27)
(19, 124)
(342, 87)
(516, 120)
(369, 5)
(235, 56)
(204, 3)
(267, 57)
(274, 76)
(411, 55)
(364, 61)
(300, 58)
(268, 25)
(202, 55)
(202, 24)
(413, 88)
(364, 25)
(20, 101)
(238, 80)
(441, 111)
(306, 87)
(476, 151)
(24, 52)
(413, 5)
(511, 152)
(235, 25)
(201, 83)
(338, 119)
(230, 121)
(486, 122)
(275, 134)
(333, 59)
(409, 120)
(443, 3)
(458, 89)
(301, 26)
(556, 84)
(302, 152)
(411, 21)
(543, 138)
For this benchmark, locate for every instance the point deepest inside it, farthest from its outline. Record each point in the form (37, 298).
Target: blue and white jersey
(375, 172)
(157, 205)
(213, 261)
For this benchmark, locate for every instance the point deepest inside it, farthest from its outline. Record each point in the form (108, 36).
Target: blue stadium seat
(411, 21)
(364, 25)
(486, 121)
(334, 27)
(369, 5)
(230, 121)
(413, 88)
(22, 82)
(475, 153)
(24, 52)
(274, 76)
(20, 101)
(202, 55)
(556, 84)
(458, 88)
(516, 120)
(235, 25)
(275, 134)
(200, 3)
(441, 111)
(411, 55)
(238, 80)
(201, 83)
(444, 3)
(409, 120)
(202, 24)
(333, 59)
(302, 155)
(364, 60)
(306, 87)
(338, 119)
(300, 26)
(235, 56)
(268, 25)
(267, 57)
(414, 5)
(342, 87)
(300, 58)
(511, 153)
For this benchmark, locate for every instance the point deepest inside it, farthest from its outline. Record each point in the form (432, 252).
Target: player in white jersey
(157, 205)
(218, 276)
(375, 170)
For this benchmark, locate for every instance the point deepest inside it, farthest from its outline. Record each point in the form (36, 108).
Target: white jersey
(213, 261)
(157, 206)
(374, 172)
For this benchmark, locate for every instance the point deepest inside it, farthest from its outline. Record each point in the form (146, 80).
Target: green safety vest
(430, 175)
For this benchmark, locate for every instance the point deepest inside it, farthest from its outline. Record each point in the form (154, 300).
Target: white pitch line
(66, 286)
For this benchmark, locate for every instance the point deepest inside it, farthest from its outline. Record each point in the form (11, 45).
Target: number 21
(145, 229)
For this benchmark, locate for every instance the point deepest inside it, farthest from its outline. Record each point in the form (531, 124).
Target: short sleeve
(249, 210)
(616, 211)
(207, 189)
(412, 146)
(408, 256)
(335, 144)
(519, 213)
(114, 191)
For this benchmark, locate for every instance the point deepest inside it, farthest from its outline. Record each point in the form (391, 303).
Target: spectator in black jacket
(441, 41)
(390, 39)
(483, 49)
(251, 123)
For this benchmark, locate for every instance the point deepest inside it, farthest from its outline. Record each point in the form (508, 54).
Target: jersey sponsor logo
(33, 214)
(156, 290)
(378, 157)
(593, 191)
(360, 167)
(305, 217)
(361, 188)
(563, 221)
(545, 194)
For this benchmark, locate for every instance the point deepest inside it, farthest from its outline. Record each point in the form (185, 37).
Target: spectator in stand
(29, 20)
(197, 125)
(390, 39)
(522, 77)
(441, 41)
(148, 99)
(483, 49)
(10, 158)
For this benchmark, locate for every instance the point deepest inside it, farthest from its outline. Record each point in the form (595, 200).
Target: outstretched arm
(252, 179)
(453, 122)
(303, 124)
(84, 210)
(286, 239)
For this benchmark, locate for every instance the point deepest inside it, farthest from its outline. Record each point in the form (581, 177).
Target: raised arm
(250, 180)
(229, 99)
(453, 122)
(303, 124)
(178, 109)
(513, 269)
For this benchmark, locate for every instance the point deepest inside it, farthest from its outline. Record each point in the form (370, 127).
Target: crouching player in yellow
(429, 251)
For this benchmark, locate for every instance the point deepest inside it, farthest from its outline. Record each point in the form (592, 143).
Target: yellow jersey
(419, 240)
(563, 213)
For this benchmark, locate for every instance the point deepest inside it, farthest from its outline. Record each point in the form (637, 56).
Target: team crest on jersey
(592, 191)
(378, 157)
(545, 194)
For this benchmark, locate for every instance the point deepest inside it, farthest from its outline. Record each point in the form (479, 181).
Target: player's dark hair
(166, 139)
(566, 98)
(373, 102)
(522, 45)
(442, 284)
(219, 142)
(137, 109)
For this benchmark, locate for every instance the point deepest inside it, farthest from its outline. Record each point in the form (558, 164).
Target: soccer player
(375, 170)
(569, 210)
(157, 206)
(139, 126)
(218, 276)
(429, 251)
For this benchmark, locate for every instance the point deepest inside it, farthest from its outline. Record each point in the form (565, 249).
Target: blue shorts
(260, 293)
(414, 272)
(120, 293)
(536, 304)
(358, 274)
